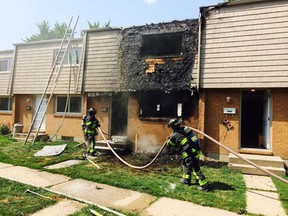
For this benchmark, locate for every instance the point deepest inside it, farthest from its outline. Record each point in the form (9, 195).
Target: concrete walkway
(261, 195)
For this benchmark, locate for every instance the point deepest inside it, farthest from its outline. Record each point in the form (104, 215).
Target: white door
(40, 113)
(267, 120)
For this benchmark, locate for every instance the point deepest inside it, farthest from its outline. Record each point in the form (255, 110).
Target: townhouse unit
(243, 80)
(32, 67)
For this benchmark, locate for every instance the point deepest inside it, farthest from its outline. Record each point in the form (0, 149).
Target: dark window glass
(162, 44)
(74, 105)
(5, 104)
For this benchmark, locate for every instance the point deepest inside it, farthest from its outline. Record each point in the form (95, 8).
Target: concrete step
(260, 160)
(249, 169)
(22, 136)
(271, 163)
(116, 142)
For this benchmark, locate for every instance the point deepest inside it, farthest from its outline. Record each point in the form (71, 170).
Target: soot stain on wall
(168, 69)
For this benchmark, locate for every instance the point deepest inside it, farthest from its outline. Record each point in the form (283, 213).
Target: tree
(58, 31)
(95, 25)
(46, 33)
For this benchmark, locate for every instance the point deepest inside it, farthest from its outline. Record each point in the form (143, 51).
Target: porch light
(228, 99)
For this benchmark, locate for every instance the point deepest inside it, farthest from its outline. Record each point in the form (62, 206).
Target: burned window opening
(169, 44)
(158, 104)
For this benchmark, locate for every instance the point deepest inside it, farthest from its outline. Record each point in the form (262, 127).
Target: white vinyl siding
(102, 67)
(33, 66)
(246, 46)
(6, 58)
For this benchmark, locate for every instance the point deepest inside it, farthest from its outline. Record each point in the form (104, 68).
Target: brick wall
(7, 119)
(22, 114)
(72, 124)
(150, 134)
(103, 116)
(280, 123)
(215, 101)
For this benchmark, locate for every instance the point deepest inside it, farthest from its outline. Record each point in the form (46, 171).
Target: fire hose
(123, 161)
(205, 135)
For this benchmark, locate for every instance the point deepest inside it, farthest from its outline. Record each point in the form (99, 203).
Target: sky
(19, 18)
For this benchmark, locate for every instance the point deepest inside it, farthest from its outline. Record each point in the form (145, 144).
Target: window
(5, 64)
(5, 104)
(72, 57)
(162, 44)
(74, 105)
(158, 104)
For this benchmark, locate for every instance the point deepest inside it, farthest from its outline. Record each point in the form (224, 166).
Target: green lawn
(162, 179)
(14, 200)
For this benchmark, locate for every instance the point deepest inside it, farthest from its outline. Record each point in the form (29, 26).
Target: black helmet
(174, 122)
(92, 111)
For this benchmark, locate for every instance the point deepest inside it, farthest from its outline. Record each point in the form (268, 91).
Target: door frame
(119, 114)
(40, 113)
(267, 120)
(266, 137)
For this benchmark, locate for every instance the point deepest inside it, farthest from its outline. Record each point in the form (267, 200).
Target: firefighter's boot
(186, 179)
(202, 181)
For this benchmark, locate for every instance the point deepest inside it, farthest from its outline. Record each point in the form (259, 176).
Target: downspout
(83, 61)
(199, 49)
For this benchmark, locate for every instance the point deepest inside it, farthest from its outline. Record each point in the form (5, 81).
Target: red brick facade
(215, 101)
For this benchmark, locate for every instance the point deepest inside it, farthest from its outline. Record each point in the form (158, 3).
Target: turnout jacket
(90, 124)
(185, 140)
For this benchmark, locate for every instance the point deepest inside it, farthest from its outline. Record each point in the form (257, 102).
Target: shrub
(4, 129)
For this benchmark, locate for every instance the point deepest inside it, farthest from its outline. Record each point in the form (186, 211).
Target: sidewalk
(259, 201)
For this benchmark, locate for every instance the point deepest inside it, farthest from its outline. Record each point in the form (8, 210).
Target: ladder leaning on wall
(53, 78)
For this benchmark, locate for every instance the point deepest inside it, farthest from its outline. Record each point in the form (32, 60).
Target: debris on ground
(51, 150)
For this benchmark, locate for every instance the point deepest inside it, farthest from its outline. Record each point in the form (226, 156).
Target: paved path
(261, 195)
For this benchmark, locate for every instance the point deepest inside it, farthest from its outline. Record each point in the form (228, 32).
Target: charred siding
(169, 69)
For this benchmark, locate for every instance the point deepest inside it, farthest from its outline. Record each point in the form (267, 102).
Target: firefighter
(187, 142)
(89, 126)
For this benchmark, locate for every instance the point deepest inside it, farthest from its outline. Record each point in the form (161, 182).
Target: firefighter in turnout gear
(187, 142)
(89, 126)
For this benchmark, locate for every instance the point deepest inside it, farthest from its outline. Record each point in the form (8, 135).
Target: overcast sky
(19, 18)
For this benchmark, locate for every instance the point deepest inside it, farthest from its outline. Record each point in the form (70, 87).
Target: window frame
(76, 54)
(9, 65)
(165, 105)
(9, 105)
(69, 106)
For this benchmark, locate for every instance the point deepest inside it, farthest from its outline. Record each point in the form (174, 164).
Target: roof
(44, 42)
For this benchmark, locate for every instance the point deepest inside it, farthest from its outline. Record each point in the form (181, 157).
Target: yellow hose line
(239, 156)
(123, 161)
